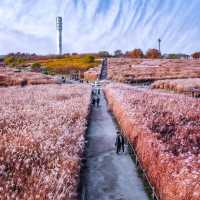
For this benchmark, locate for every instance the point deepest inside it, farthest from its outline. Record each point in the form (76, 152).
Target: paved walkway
(109, 176)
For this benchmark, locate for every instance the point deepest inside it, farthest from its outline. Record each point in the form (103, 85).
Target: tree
(9, 60)
(45, 71)
(36, 67)
(176, 56)
(196, 55)
(13, 60)
(153, 54)
(19, 60)
(89, 58)
(104, 54)
(118, 53)
(173, 56)
(136, 53)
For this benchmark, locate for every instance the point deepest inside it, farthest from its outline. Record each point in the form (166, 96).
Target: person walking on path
(93, 92)
(93, 101)
(99, 91)
(98, 101)
(122, 142)
(94, 97)
(119, 143)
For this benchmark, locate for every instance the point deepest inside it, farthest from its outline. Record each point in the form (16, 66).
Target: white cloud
(93, 25)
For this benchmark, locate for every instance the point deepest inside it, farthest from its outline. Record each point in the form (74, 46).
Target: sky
(96, 25)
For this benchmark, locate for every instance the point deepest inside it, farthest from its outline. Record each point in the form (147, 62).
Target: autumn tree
(136, 53)
(153, 54)
(196, 55)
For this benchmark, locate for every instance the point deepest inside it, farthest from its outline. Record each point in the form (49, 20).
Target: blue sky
(94, 25)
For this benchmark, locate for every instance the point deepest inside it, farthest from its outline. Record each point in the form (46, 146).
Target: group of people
(96, 92)
(119, 143)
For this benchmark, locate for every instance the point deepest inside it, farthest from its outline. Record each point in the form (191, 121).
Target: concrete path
(109, 176)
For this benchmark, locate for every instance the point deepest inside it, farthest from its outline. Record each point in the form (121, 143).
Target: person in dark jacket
(122, 142)
(99, 91)
(98, 101)
(93, 92)
(118, 143)
(93, 101)
(24, 83)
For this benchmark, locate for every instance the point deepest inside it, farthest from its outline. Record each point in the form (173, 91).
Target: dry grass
(8, 77)
(92, 74)
(133, 70)
(178, 85)
(42, 140)
(165, 130)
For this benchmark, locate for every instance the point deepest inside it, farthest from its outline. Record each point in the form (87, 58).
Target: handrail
(83, 193)
(138, 163)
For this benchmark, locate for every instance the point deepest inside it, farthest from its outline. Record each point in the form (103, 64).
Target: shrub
(9, 60)
(104, 54)
(36, 65)
(136, 53)
(153, 54)
(13, 60)
(173, 56)
(196, 55)
(89, 59)
(118, 53)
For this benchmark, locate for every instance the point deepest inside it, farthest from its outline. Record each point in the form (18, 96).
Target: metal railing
(83, 193)
(138, 164)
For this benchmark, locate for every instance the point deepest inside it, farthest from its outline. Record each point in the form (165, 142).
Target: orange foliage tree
(153, 54)
(196, 55)
(136, 53)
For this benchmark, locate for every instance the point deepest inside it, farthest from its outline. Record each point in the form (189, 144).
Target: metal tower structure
(159, 44)
(59, 28)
